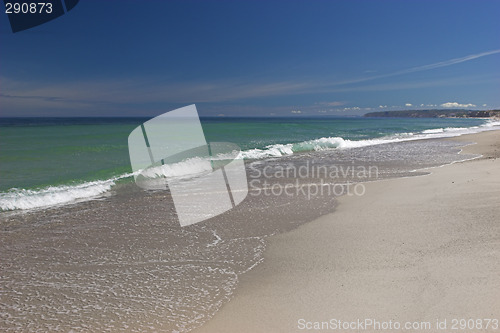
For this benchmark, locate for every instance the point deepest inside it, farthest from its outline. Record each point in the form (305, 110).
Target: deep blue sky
(249, 58)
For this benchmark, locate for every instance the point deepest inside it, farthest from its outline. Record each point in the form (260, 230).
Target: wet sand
(415, 249)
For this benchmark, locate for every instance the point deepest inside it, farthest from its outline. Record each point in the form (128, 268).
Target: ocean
(86, 250)
(52, 161)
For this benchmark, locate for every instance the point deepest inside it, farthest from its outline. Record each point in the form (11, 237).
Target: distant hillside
(436, 114)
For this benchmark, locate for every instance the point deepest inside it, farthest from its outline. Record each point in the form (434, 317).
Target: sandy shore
(411, 249)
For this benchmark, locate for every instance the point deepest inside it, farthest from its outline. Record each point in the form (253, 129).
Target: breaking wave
(278, 150)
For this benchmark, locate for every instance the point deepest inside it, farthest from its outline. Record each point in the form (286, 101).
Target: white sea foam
(492, 123)
(278, 150)
(189, 167)
(55, 195)
(447, 129)
(433, 131)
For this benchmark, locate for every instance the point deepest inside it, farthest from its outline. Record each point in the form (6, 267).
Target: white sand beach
(415, 249)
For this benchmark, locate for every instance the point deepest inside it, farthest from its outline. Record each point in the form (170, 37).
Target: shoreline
(421, 255)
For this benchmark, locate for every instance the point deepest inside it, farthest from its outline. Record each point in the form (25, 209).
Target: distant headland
(447, 113)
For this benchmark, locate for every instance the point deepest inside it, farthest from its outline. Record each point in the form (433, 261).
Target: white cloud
(335, 103)
(435, 65)
(448, 62)
(408, 104)
(296, 111)
(457, 105)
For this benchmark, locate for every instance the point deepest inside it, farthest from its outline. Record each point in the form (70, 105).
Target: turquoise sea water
(83, 157)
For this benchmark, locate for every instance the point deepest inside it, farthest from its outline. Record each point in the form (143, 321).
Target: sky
(253, 58)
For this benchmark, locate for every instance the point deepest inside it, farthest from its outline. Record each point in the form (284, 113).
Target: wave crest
(325, 143)
(55, 195)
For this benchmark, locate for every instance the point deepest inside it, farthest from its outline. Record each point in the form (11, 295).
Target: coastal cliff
(436, 114)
